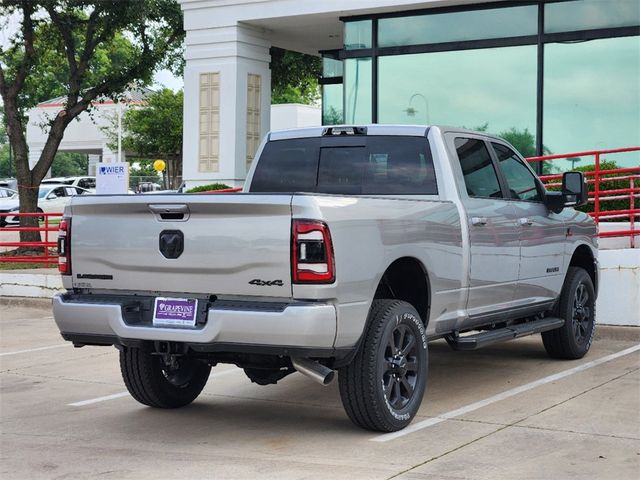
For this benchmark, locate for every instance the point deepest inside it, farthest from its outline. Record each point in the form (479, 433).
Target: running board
(482, 339)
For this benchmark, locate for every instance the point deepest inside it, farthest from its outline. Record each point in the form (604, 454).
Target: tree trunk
(27, 188)
(28, 204)
(176, 169)
(168, 173)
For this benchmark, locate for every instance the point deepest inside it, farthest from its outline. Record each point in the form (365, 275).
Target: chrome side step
(482, 339)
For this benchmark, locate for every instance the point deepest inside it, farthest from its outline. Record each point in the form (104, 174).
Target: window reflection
(357, 90)
(458, 26)
(492, 89)
(592, 97)
(331, 67)
(332, 104)
(357, 35)
(590, 14)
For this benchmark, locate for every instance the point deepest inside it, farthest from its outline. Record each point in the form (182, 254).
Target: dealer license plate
(175, 312)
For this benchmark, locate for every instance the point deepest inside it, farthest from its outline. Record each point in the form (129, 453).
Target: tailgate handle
(170, 212)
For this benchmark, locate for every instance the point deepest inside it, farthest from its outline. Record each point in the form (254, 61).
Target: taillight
(312, 253)
(64, 246)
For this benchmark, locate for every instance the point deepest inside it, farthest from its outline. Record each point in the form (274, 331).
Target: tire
(577, 307)
(379, 390)
(151, 383)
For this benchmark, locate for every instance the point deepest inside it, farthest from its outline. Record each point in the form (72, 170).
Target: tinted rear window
(373, 165)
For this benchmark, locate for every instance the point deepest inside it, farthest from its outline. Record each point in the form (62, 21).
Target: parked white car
(7, 193)
(87, 182)
(51, 199)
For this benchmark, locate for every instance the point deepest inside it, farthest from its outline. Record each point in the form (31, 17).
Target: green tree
(5, 165)
(69, 164)
(608, 205)
(294, 77)
(524, 142)
(154, 131)
(86, 50)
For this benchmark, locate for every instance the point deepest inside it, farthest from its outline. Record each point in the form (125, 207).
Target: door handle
(173, 212)
(525, 221)
(168, 208)
(479, 221)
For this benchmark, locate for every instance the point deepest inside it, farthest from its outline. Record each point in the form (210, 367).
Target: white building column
(227, 97)
(108, 155)
(94, 160)
(34, 155)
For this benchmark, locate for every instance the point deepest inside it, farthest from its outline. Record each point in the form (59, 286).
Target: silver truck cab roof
(370, 129)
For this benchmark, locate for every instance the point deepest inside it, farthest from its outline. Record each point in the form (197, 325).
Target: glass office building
(554, 76)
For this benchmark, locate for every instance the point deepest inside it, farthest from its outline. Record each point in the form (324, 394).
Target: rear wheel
(382, 388)
(577, 307)
(151, 382)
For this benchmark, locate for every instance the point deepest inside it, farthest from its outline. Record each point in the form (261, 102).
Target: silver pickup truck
(348, 250)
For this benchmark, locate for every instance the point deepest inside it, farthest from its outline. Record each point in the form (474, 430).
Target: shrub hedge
(206, 188)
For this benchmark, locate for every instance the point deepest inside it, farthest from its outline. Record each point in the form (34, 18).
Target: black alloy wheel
(400, 373)
(577, 306)
(382, 388)
(581, 317)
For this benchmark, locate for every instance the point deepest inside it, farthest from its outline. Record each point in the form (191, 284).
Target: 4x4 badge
(266, 283)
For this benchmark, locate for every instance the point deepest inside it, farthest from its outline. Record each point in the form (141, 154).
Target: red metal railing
(596, 178)
(47, 242)
(222, 190)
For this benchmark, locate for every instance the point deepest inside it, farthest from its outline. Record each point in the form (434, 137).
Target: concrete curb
(617, 333)
(35, 283)
(28, 302)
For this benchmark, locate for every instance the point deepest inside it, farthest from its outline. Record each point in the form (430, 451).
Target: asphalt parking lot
(503, 412)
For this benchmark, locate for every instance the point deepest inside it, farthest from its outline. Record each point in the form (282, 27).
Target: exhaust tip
(314, 370)
(329, 378)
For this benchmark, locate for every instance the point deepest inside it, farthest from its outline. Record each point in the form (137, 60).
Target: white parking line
(99, 399)
(126, 394)
(501, 396)
(34, 349)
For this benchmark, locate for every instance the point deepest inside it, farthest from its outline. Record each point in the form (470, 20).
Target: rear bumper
(296, 325)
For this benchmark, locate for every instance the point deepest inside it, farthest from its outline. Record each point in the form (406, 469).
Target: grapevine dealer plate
(175, 312)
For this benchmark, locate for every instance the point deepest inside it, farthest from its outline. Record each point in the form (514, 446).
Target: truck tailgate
(235, 244)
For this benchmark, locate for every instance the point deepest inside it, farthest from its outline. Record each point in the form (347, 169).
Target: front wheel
(155, 384)
(577, 306)
(382, 388)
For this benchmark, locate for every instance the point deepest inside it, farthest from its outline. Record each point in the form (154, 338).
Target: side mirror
(573, 194)
(574, 189)
(51, 196)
